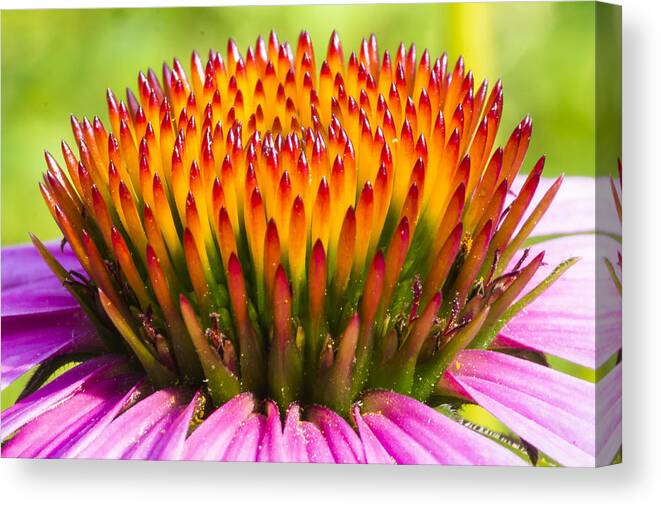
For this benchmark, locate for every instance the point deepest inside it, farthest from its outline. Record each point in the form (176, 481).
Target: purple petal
(96, 427)
(39, 317)
(210, 440)
(271, 448)
(411, 432)
(155, 436)
(24, 262)
(374, 451)
(574, 208)
(56, 391)
(245, 444)
(342, 440)
(553, 411)
(50, 434)
(28, 341)
(171, 444)
(293, 437)
(28, 284)
(404, 449)
(302, 440)
(609, 416)
(568, 320)
(123, 437)
(315, 444)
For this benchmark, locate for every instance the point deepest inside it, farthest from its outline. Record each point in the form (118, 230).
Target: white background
(636, 482)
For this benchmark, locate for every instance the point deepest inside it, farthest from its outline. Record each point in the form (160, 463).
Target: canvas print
(334, 237)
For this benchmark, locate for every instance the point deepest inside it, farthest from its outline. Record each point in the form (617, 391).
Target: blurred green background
(59, 62)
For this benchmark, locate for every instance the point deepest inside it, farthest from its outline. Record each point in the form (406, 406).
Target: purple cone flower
(266, 260)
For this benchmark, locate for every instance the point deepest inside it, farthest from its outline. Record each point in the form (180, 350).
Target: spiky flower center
(258, 225)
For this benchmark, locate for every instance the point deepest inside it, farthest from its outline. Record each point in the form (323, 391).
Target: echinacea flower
(266, 261)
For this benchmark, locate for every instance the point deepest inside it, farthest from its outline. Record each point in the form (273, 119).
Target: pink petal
(575, 207)
(124, 437)
(303, 441)
(404, 448)
(271, 448)
(96, 428)
(171, 444)
(374, 451)
(245, 444)
(568, 320)
(40, 319)
(28, 284)
(145, 444)
(342, 440)
(52, 433)
(29, 340)
(609, 416)
(293, 437)
(316, 445)
(553, 411)
(412, 432)
(56, 392)
(210, 440)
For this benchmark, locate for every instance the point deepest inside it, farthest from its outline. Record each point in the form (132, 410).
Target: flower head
(327, 232)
